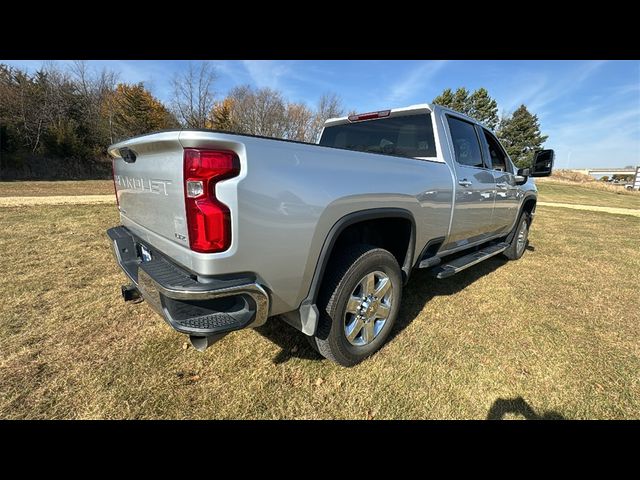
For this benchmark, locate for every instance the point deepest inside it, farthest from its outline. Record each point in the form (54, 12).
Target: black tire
(312, 342)
(516, 250)
(343, 275)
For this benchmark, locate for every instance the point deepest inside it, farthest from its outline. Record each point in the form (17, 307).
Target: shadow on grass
(502, 406)
(292, 343)
(422, 287)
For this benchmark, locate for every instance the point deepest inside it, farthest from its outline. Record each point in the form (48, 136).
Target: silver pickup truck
(222, 231)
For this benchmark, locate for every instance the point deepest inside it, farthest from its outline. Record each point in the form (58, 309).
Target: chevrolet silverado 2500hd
(221, 231)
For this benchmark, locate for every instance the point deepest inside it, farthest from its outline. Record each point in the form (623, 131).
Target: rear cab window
(405, 136)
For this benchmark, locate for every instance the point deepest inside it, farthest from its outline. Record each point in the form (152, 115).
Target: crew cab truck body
(222, 231)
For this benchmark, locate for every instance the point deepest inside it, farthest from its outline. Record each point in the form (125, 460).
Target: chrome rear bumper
(221, 305)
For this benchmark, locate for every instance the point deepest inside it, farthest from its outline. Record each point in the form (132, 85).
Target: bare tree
(258, 112)
(92, 85)
(299, 122)
(265, 112)
(104, 85)
(42, 102)
(329, 106)
(79, 70)
(193, 96)
(93, 91)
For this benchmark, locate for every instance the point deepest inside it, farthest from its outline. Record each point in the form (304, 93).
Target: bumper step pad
(196, 308)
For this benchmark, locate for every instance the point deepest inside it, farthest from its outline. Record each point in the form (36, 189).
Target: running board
(429, 262)
(462, 263)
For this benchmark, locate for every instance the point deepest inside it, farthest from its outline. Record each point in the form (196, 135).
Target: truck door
(507, 193)
(475, 186)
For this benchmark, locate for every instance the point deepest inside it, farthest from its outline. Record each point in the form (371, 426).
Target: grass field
(39, 188)
(587, 194)
(554, 335)
(551, 190)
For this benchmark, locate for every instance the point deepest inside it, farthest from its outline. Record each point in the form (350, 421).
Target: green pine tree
(484, 108)
(135, 111)
(461, 101)
(520, 134)
(445, 99)
(478, 105)
(458, 100)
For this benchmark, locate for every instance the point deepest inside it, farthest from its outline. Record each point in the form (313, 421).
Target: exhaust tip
(202, 343)
(130, 293)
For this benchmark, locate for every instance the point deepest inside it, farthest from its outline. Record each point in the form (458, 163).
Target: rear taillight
(113, 175)
(208, 219)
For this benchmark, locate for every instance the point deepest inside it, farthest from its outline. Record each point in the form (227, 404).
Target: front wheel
(358, 302)
(520, 240)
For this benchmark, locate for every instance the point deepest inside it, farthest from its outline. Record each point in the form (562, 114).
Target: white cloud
(415, 81)
(267, 73)
(626, 89)
(594, 133)
(540, 89)
(529, 88)
(231, 69)
(595, 136)
(561, 86)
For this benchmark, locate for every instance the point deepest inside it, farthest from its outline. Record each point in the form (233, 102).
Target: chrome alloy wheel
(521, 242)
(368, 308)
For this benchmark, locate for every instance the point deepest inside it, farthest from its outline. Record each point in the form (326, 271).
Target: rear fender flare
(308, 310)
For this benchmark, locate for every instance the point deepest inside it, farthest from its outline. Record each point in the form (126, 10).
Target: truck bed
(287, 197)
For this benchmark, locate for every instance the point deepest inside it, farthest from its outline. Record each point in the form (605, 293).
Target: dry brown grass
(22, 201)
(558, 328)
(37, 188)
(570, 176)
(573, 178)
(587, 194)
(618, 211)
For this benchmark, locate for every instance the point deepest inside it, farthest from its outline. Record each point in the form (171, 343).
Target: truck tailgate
(148, 176)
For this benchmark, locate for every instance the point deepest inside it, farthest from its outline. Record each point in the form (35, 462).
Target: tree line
(518, 132)
(58, 122)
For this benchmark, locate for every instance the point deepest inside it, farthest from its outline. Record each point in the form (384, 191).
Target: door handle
(501, 185)
(465, 183)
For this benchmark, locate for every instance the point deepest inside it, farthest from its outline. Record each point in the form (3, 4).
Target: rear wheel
(520, 240)
(358, 302)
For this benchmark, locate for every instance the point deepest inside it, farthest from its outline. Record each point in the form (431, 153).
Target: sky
(590, 109)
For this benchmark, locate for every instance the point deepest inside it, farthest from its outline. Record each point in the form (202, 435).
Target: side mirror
(522, 176)
(542, 163)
